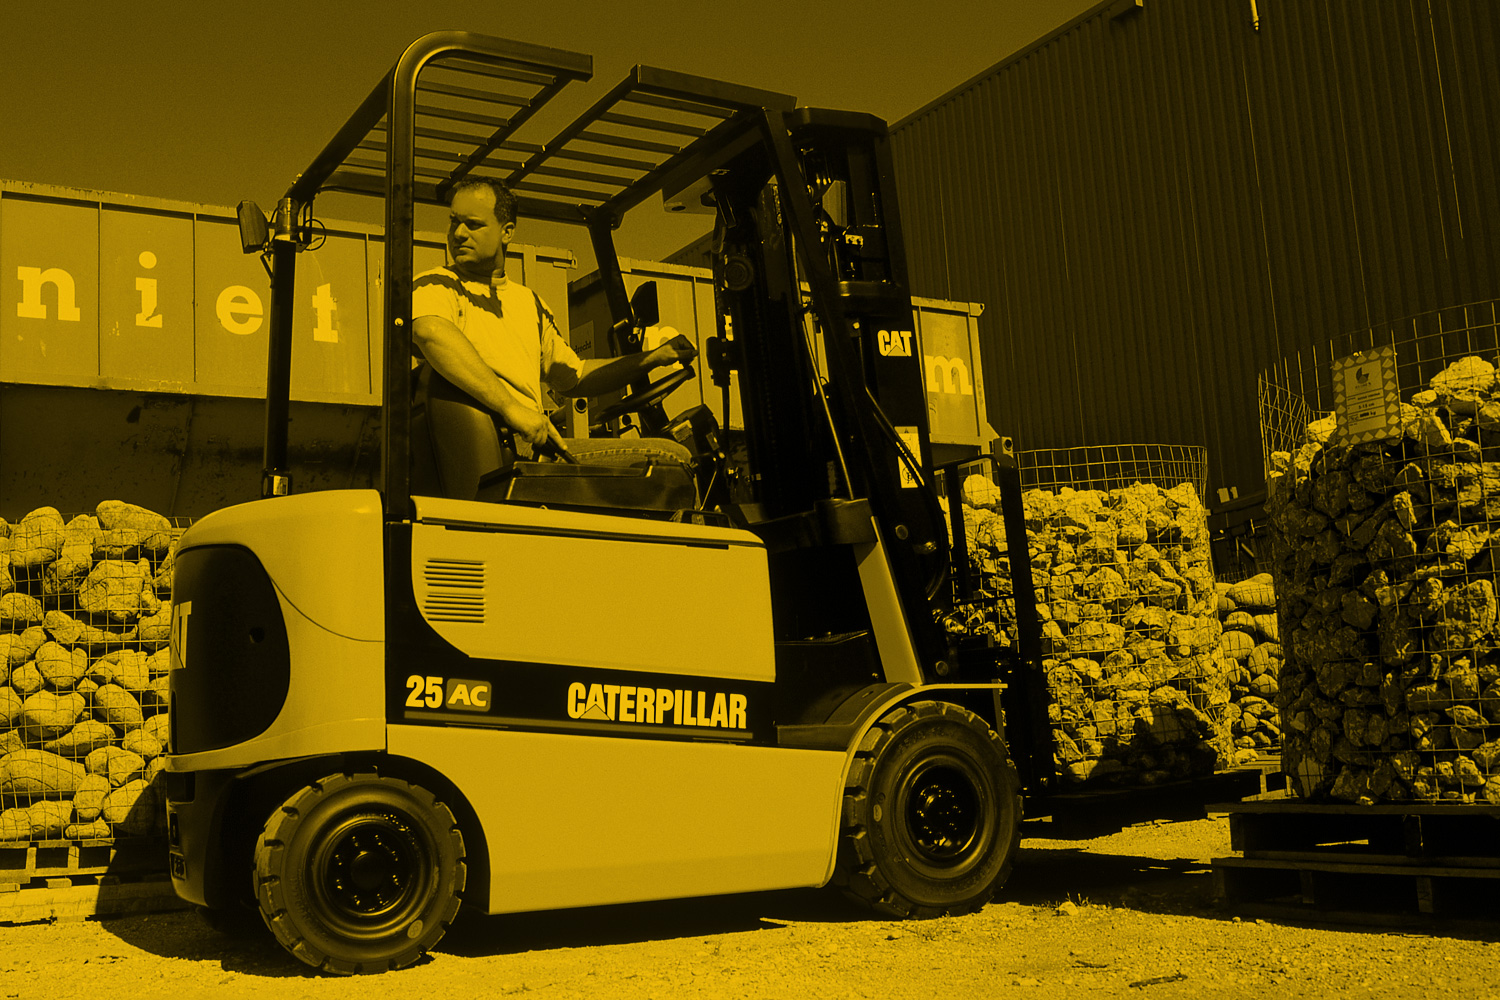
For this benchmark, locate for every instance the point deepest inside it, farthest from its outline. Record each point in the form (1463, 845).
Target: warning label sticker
(1366, 398)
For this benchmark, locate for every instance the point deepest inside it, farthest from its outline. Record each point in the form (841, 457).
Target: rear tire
(360, 873)
(932, 814)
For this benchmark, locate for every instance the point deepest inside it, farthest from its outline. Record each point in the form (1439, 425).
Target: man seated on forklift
(491, 342)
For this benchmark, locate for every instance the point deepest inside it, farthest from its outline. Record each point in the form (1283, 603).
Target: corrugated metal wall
(1155, 207)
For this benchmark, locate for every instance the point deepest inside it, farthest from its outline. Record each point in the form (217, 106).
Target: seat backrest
(460, 436)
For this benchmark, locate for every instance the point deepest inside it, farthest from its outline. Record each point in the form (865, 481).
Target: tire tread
(271, 894)
(856, 872)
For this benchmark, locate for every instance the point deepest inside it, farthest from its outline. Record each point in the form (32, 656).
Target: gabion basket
(1116, 466)
(1118, 542)
(1384, 564)
(85, 623)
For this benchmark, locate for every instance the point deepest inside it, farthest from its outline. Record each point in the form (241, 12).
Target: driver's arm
(453, 356)
(603, 375)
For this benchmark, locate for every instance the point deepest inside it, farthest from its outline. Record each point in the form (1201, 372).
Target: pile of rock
(989, 609)
(85, 619)
(1138, 686)
(1251, 646)
(1385, 569)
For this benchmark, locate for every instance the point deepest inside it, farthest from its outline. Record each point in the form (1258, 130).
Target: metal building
(1164, 197)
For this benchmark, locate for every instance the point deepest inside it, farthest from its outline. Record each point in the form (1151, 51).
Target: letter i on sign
(148, 316)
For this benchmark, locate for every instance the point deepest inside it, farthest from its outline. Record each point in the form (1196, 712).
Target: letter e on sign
(239, 310)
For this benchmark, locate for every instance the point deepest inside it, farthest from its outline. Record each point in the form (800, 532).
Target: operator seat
(460, 451)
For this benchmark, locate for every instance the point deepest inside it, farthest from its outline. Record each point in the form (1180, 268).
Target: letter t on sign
(325, 304)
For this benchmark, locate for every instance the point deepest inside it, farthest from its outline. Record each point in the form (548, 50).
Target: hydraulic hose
(929, 498)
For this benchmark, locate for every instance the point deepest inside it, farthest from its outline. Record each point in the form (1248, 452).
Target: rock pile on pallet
(1137, 684)
(991, 609)
(1251, 647)
(85, 618)
(1385, 567)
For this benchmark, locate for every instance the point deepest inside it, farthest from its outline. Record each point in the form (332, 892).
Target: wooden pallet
(1098, 811)
(78, 897)
(1388, 864)
(1267, 767)
(24, 864)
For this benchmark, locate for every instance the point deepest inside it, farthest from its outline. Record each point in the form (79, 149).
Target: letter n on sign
(49, 292)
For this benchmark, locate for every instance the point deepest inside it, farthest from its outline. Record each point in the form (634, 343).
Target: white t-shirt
(508, 324)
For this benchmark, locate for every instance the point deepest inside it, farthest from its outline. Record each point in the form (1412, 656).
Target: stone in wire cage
(85, 620)
(1384, 559)
(1117, 537)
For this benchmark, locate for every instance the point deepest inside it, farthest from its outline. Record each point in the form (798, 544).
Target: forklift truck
(380, 712)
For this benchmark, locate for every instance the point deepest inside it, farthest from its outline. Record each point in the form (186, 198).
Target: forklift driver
(490, 342)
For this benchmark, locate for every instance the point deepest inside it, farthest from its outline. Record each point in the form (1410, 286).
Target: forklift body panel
(328, 672)
(482, 572)
(590, 820)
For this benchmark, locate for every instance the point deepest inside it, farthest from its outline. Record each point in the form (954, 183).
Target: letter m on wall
(948, 375)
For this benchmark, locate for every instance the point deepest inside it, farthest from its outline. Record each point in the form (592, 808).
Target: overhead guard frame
(414, 138)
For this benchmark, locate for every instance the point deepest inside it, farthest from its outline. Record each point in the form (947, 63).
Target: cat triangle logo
(595, 709)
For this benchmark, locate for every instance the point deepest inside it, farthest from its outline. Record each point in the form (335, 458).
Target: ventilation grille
(454, 590)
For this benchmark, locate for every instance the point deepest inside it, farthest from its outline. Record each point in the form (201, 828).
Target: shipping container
(133, 351)
(1161, 199)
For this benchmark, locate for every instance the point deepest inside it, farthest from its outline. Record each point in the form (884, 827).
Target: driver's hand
(537, 430)
(679, 348)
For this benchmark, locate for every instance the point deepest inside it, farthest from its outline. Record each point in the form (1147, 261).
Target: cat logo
(894, 343)
(656, 706)
(177, 636)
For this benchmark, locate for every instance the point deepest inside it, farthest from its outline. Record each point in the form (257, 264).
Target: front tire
(932, 814)
(360, 873)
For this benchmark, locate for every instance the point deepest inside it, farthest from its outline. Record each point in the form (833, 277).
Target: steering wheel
(653, 393)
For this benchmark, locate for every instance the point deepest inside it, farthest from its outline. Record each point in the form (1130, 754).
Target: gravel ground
(1129, 915)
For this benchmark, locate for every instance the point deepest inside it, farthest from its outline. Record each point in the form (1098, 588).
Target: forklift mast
(809, 268)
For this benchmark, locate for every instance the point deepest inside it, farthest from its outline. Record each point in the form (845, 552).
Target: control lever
(553, 450)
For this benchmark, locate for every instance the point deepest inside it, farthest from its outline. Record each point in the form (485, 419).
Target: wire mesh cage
(1112, 467)
(1282, 399)
(1118, 544)
(983, 596)
(85, 622)
(1385, 514)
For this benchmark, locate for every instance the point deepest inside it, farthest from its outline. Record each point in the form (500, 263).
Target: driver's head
(481, 223)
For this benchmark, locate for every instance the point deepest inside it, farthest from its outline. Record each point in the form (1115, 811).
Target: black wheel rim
(372, 873)
(941, 813)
